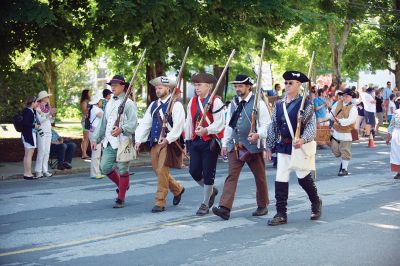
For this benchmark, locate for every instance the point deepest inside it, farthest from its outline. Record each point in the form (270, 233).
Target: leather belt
(286, 140)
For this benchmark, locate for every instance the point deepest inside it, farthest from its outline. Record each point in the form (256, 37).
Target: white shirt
(344, 122)
(95, 116)
(369, 103)
(215, 127)
(45, 121)
(178, 120)
(392, 105)
(111, 114)
(264, 119)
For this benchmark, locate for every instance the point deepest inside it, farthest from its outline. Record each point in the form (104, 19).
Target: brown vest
(343, 111)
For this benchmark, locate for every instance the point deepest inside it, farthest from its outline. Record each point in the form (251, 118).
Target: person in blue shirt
(386, 95)
(64, 149)
(320, 105)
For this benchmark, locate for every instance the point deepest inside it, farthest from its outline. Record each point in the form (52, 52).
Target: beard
(239, 93)
(161, 94)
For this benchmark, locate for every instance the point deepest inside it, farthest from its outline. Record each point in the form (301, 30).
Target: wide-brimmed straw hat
(42, 95)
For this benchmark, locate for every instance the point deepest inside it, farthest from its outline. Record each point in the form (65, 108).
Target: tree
(211, 29)
(45, 29)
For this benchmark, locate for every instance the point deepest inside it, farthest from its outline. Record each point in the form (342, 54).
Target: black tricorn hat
(117, 79)
(349, 92)
(243, 79)
(295, 75)
(204, 78)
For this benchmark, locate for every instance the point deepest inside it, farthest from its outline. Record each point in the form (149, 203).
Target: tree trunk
(152, 71)
(337, 49)
(396, 72)
(217, 70)
(48, 70)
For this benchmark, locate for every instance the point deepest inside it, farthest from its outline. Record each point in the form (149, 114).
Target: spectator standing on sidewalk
(64, 148)
(379, 109)
(391, 107)
(369, 111)
(106, 97)
(28, 135)
(44, 114)
(95, 116)
(386, 98)
(84, 104)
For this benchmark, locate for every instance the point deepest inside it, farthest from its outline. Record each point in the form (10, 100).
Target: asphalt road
(70, 220)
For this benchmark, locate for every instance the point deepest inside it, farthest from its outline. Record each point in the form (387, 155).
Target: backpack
(88, 124)
(18, 122)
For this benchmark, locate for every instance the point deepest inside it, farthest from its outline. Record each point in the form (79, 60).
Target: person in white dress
(393, 138)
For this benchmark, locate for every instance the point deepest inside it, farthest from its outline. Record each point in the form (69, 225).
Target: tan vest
(343, 111)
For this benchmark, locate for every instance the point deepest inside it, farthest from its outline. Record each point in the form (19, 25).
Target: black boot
(308, 184)
(281, 196)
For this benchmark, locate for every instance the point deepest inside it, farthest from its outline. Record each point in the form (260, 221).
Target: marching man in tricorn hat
(149, 131)
(203, 157)
(112, 137)
(242, 147)
(280, 135)
(344, 116)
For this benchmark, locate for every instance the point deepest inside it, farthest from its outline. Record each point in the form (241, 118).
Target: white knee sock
(207, 192)
(345, 164)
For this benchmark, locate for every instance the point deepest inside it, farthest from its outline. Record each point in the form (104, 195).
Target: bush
(15, 87)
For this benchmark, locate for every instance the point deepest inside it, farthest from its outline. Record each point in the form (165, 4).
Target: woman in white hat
(95, 116)
(44, 115)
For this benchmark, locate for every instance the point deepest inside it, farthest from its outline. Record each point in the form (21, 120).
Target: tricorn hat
(349, 92)
(204, 78)
(243, 79)
(295, 75)
(163, 81)
(117, 79)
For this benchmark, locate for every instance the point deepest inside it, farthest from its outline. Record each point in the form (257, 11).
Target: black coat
(28, 119)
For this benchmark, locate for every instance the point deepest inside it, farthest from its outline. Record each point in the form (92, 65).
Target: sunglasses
(289, 82)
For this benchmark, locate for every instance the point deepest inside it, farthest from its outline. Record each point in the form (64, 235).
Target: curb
(76, 170)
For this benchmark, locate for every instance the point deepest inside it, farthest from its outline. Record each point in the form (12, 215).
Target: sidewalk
(16, 170)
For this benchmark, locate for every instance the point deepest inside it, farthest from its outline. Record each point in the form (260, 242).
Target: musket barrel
(207, 107)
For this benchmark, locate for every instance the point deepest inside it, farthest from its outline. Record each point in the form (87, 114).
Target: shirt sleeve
(264, 119)
(178, 120)
(100, 131)
(130, 123)
(143, 129)
(188, 123)
(391, 125)
(228, 130)
(310, 129)
(219, 122)
(273, 134)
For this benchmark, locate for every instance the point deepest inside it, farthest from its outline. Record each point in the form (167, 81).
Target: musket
(301, 111)
(168, 113)
(254, 112)
(208, 105)
(129, 90)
